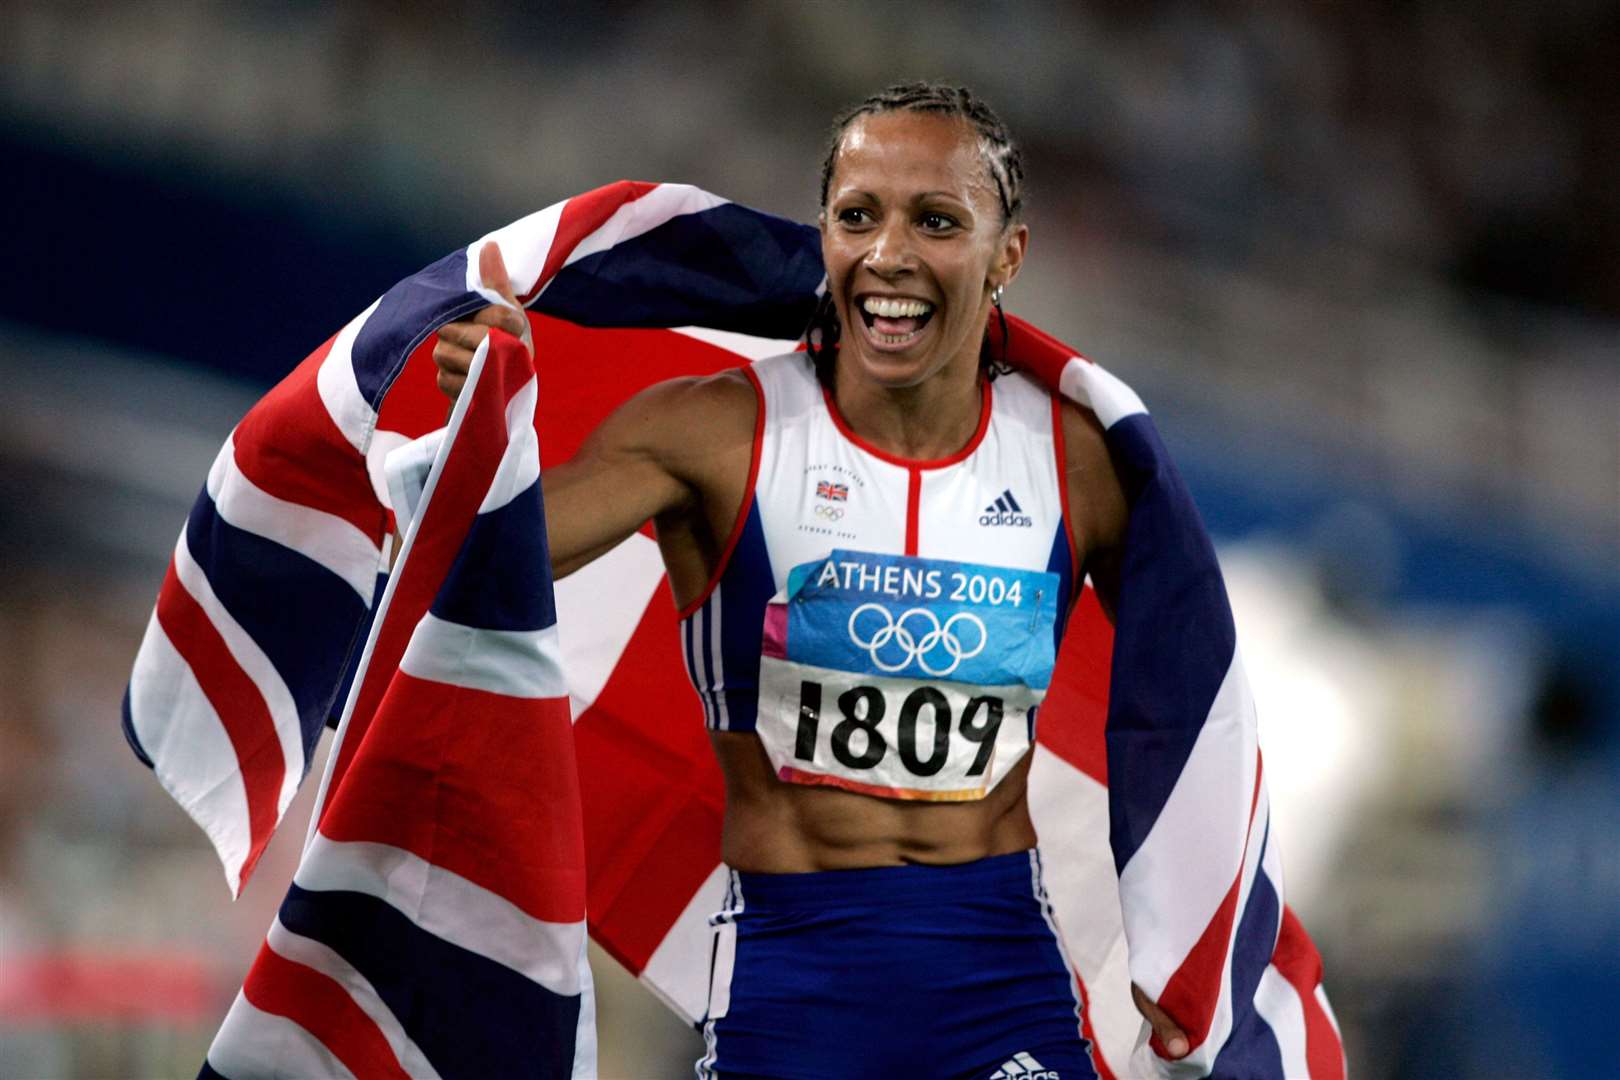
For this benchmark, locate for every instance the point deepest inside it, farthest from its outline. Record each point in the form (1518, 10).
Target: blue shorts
(905, 971)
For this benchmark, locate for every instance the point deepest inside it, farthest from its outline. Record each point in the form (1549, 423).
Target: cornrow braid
(1001, 154)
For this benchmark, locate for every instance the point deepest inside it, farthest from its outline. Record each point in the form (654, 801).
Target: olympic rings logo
(918, 634)
(831, 513)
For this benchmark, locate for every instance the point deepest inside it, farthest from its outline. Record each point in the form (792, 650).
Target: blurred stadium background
(1363, 260)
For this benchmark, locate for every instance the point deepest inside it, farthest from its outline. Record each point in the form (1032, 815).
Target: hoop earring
(995, 294)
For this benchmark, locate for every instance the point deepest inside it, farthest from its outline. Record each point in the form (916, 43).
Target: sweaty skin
(912, 213)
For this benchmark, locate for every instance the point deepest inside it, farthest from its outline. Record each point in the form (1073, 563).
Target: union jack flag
(437, 920)
(827, 490)
(268, 602)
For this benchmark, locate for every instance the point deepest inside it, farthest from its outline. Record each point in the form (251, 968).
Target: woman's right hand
(453, 352)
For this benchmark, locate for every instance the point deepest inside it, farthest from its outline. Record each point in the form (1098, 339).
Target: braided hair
(1002, 155)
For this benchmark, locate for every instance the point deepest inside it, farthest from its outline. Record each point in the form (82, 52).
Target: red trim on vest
(913, 508)
(908, 463)
(1061, 453)
(747, 502)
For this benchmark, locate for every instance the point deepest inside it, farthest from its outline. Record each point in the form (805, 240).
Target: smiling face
(914, 243)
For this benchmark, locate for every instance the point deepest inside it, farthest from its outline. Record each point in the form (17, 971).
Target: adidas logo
(1006, 511)
(1023, 1067)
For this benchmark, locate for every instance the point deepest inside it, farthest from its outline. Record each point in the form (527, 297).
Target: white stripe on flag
(642, 215)
(744, 345)
(1278, 1003)
(585, 1027)
(349, 410)
(405, 470)
(383, 443)
(256, 666)
(1322, 1000)
(525, 244)
(252, 1042)
(678, 970)
(1207, 813)
(319, 957)
(1092, 385)
(449, 906)
(327, 539)
(1070, 810)
(183, 736)
(1220, 1027)
(516, 663)
(600, 605)
(520, 462)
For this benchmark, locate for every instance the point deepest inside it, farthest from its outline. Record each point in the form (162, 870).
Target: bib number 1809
(862, 708)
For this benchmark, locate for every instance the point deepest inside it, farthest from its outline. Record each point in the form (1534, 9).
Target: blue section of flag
(520, 597)
(471, 1016)
(128, 724)
(303, 616)
(1252, 1049)
(730, 268)
(404, 318)
(1174, 638)
(352, 666)
(908, 617)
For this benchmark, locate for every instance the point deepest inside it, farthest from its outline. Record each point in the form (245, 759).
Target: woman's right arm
(660, 456)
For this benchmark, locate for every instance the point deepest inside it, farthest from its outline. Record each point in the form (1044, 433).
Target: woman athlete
(871, 929)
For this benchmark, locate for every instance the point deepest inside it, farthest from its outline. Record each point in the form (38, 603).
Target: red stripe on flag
(581, 216)
(236, 700)
(1297, 960)
(481, 784)
(290, 447)
(652, 793)
(414, 404)
(1193, 991)
(321, 1006)
(1075, 713)
(1031, 349)
(479, 444)
(575, 397)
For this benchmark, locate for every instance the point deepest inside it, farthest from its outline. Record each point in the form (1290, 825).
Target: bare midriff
(776, 827)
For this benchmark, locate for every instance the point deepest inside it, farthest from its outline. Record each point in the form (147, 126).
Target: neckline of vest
(912, 463)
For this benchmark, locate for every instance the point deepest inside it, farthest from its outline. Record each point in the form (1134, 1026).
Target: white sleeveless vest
(887, 625)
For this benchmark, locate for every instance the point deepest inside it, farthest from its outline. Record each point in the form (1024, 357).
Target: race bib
(904, 677)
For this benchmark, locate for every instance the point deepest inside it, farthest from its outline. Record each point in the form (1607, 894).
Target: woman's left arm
(1096, 502)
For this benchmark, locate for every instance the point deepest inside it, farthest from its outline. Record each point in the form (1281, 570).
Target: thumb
(1168, 1033)
(492, 272)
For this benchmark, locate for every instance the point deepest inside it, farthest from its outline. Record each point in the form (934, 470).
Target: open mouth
(892, 320)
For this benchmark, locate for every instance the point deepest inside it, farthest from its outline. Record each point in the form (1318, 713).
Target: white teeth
(890, 308)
